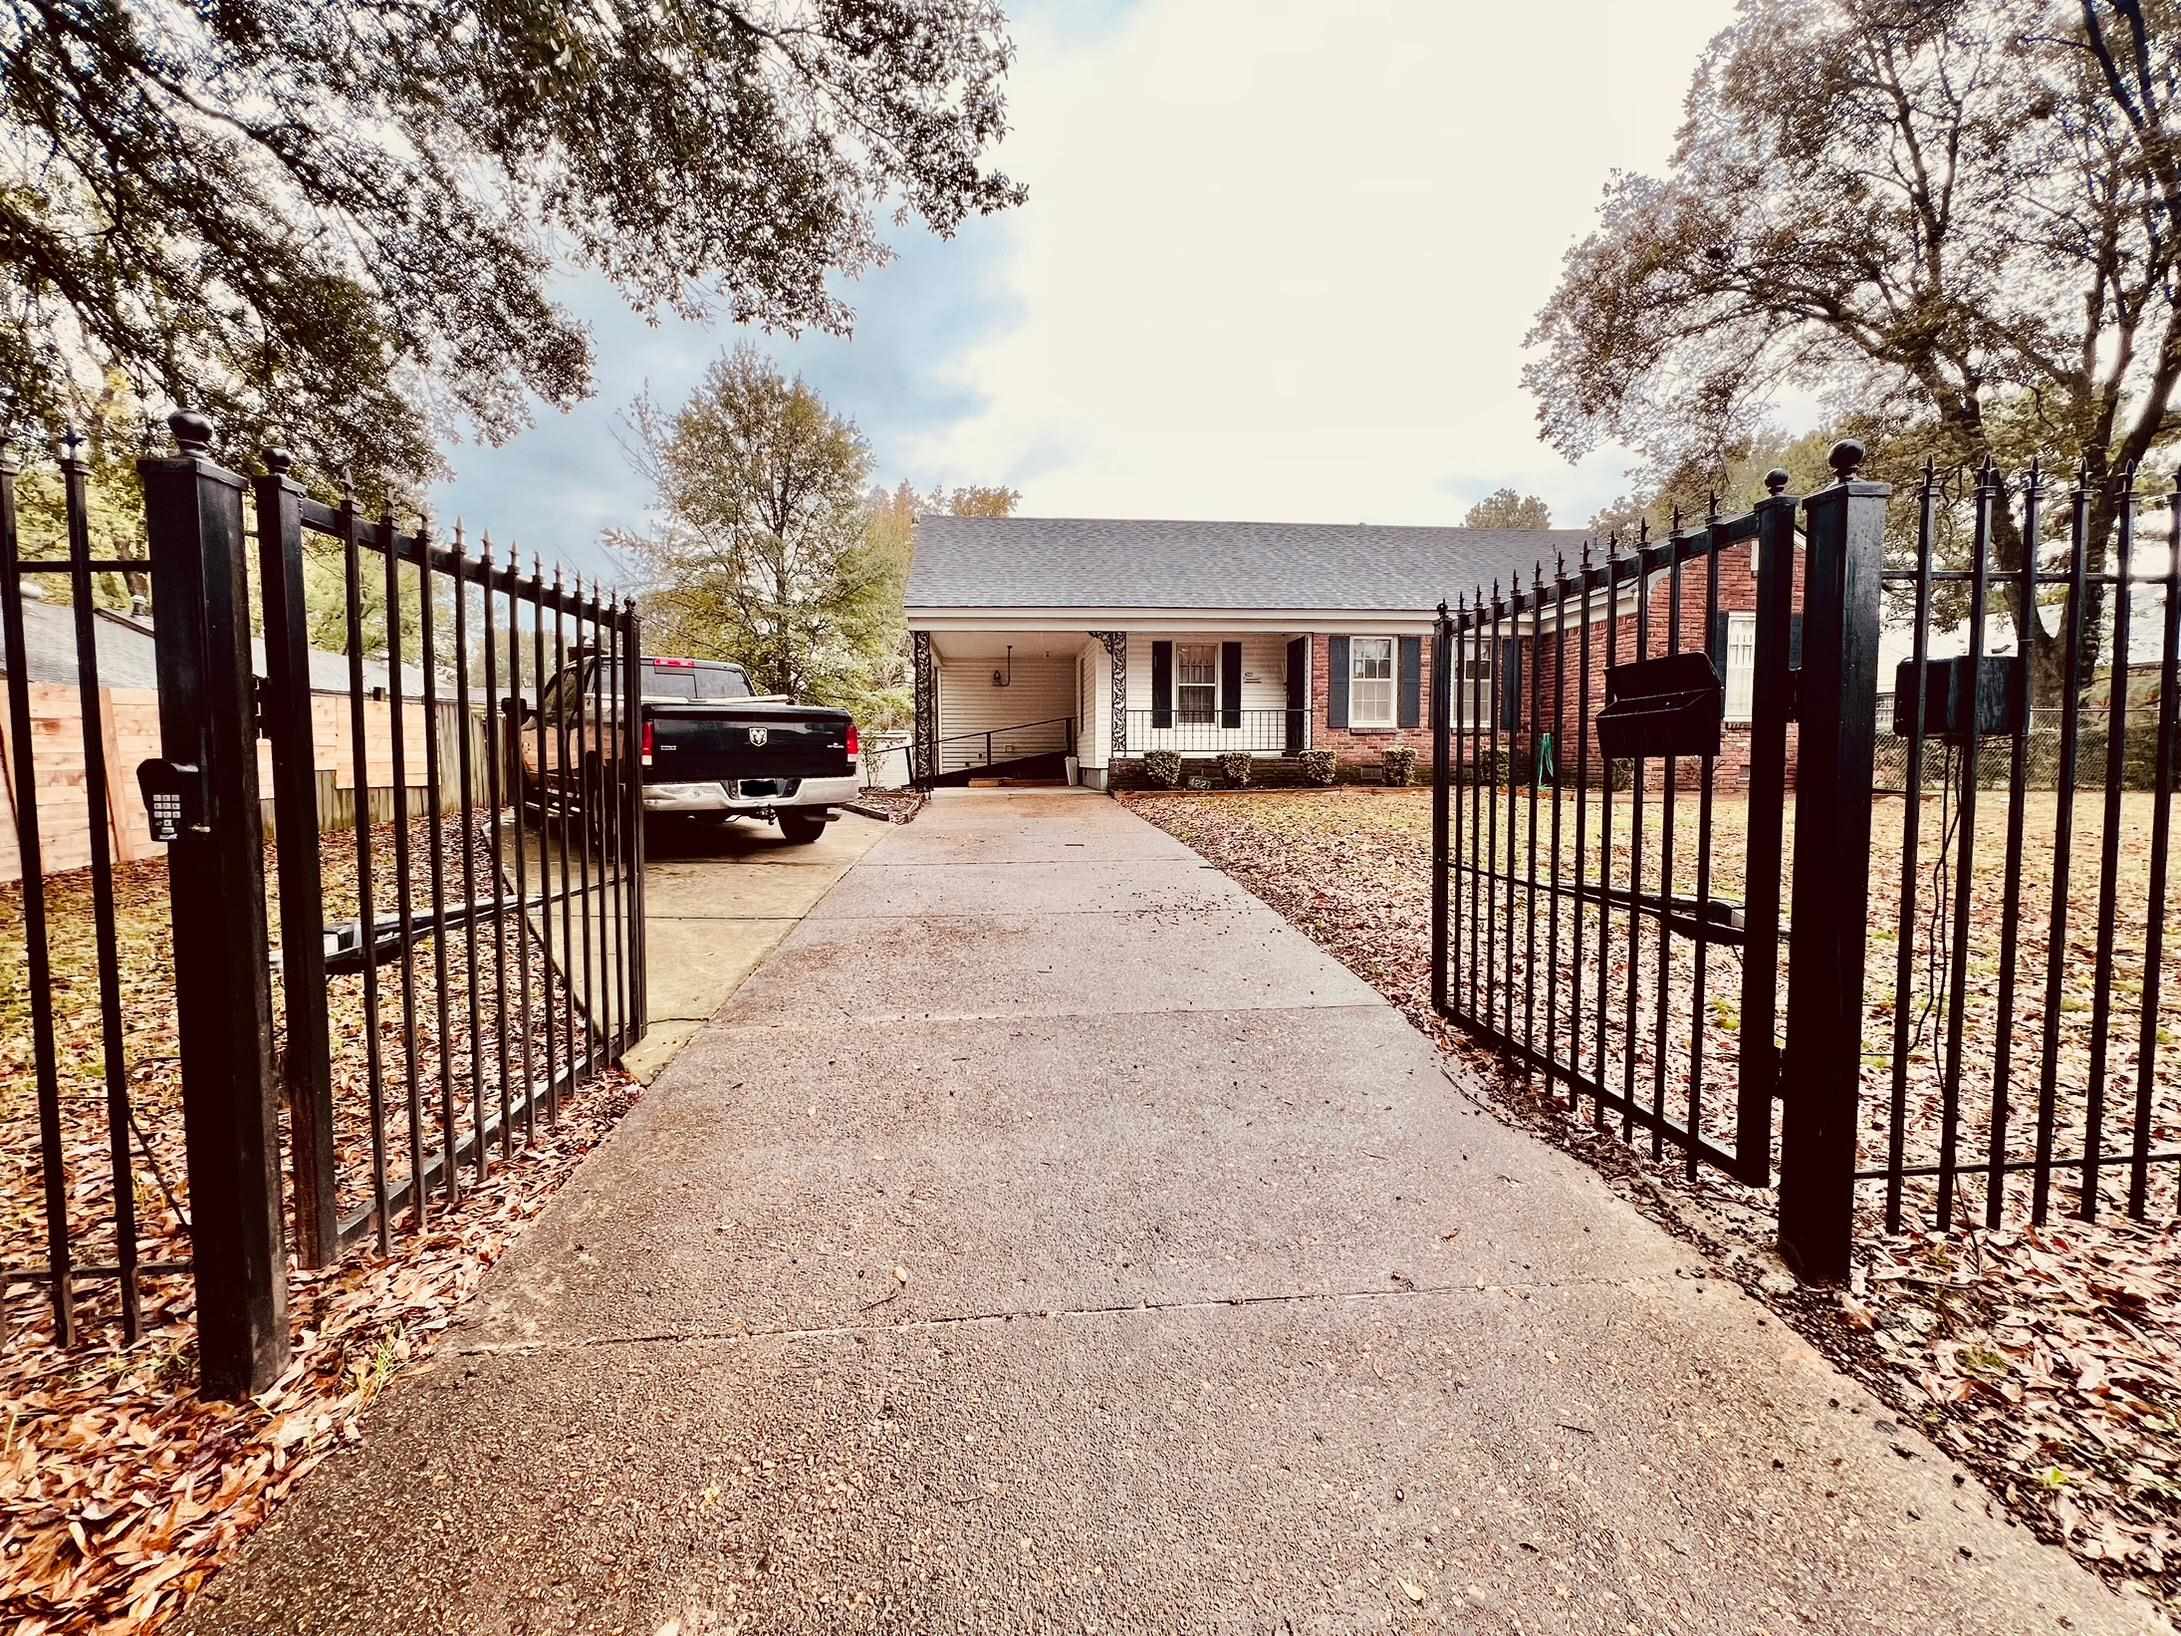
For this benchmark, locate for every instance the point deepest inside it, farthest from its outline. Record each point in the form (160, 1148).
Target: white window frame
(1473, 703)
(1741, 678)
(1392, 679)
(1209, 686)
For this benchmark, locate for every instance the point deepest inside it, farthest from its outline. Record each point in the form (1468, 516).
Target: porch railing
(1280, 730)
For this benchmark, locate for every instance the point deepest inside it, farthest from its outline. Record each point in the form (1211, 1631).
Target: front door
(1298, 691)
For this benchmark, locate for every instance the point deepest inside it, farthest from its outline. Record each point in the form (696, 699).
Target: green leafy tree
(762, 552)
(1955, 220)
(1504, 508)
(332, 226)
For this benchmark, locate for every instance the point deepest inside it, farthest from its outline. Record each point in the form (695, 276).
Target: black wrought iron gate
(508, 931)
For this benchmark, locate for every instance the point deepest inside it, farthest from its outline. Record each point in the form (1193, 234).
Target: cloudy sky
(1277, 262)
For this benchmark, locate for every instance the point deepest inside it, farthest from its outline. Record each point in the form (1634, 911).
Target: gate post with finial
(1836, 707)
(208, 812)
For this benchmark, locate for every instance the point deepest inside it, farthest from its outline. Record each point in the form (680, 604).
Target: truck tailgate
(697, 743)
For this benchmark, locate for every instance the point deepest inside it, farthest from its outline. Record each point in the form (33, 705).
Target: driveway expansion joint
(703, 1336)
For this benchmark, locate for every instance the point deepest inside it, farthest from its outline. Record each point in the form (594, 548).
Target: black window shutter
(1510, 684)
(1230, 684)
(1162, 684)
(1719, 643)
(1794, 641)
(1336, 681)
(1410, 709)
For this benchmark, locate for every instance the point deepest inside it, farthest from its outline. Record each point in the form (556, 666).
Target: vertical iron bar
(1671, 767)
(546, 773)
(1701, 973)
(1582, 823)
(498, 731)
(1529, 856)
(1912, 800)
(436, 856)
(1995, 1186)
(1552, 902)
(1491, 885)
(562, 826)
(615, 733)
(519, 775)
(466, 778)
(1479, 930)
(390, 544)
(306, 1062)
(1514, 702)
(1605, 829)
(1987, 495)
(2116, 756)
(30, 851)
(639, 983)
(1441, 648)
(2063, 843)
(76, 476)
(2169, 684)
(585, 823)
(1635, 847)
(367, 909)
(1757, 1068)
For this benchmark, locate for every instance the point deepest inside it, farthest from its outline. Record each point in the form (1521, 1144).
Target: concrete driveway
(717, 900)
(1047, 1237)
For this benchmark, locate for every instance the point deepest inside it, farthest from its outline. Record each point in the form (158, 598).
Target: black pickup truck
(710, 745)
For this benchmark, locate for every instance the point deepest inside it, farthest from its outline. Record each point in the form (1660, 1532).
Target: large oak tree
(334, 225)
(1956, 222)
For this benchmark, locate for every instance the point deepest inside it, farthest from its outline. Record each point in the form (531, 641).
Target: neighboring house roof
(2146, 635)
(1116, 562)
(127, 656)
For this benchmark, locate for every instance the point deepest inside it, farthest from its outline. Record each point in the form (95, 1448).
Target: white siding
(1042, 689)
(1093, 711)
(1264, 687)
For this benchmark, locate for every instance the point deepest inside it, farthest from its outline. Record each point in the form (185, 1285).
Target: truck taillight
(853, 746)
(648, 742)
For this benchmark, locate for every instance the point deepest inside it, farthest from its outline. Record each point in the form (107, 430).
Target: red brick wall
(1737, 594)
(1363, 747)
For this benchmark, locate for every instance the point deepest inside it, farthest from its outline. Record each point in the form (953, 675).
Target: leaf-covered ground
(120, 1489)
(2048, 1358)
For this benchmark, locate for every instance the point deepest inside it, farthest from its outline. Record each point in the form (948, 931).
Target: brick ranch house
(1100, 639)
(1041, 642)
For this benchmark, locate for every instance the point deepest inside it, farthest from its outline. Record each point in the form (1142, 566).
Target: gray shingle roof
(1113, 562)
(127, 656)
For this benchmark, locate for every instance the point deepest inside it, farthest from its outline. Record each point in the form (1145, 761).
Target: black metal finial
(193, 433)
(1673, 519)
(69, 442)
(1442, 610)
(461, 548)
(1643, 532)
(1846, 458)
(1775, 481)
(1711, 506)
(1586, 555)
(278, 462)
(348, 487)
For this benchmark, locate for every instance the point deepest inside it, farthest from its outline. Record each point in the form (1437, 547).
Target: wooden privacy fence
(128, 730)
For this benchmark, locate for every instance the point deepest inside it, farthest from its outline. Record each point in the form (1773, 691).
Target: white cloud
(1279, 258)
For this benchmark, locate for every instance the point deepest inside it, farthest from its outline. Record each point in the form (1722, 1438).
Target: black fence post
(306, 1070)
(1442, 647)
(206, 798)
(1771, 706)
(632, 685)
(1837, 707)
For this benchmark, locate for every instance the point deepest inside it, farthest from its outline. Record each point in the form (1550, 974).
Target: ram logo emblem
(757, 738)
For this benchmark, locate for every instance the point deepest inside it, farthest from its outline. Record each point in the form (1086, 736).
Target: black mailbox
(1996, 697)
(173, 797)
(1662, 707)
